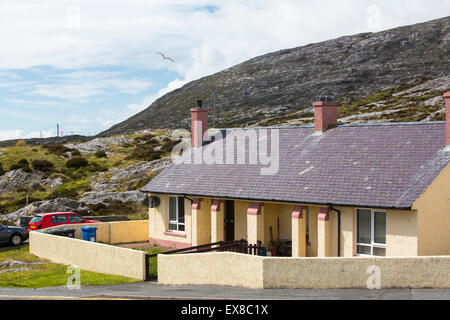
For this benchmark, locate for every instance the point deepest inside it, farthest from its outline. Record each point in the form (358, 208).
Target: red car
(47, 220)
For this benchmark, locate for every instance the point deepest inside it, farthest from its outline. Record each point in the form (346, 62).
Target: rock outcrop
(15, 179)
(116, 177)
(102, 197)
(99, 144)
(287, 81)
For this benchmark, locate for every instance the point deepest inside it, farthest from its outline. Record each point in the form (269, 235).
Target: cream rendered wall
(240, 219)
(401, 233)
(348, 228)
(201, 223)
(433, 216)
(90, 256)
(235, 269)
(311, 248)
(158, 220)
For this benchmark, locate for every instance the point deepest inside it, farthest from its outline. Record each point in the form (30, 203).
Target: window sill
(175, 234)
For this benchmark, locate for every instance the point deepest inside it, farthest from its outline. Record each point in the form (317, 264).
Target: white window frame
(176, 222)
(372, 244)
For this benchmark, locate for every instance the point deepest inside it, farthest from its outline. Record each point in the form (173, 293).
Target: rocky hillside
(279, 87)
(97, 177)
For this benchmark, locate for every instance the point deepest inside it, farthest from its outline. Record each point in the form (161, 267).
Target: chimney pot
(325, 113)
(199, 124)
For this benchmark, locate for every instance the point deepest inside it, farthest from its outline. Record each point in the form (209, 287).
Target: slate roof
(379, 166)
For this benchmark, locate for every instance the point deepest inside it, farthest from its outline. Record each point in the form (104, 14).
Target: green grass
(49, 274)
(152, 262)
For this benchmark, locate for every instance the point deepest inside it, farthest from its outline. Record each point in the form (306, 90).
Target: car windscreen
(36, 219)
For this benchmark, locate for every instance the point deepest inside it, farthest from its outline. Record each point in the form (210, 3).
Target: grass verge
(48, 274)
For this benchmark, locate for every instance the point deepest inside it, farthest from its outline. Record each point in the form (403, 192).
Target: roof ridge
(359, 124)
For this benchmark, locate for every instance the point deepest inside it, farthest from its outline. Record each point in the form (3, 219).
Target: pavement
(152, 291)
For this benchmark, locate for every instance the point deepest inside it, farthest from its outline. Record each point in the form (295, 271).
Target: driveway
(151, 290)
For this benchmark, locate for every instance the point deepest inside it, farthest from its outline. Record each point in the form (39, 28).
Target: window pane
(364, 226)
(180, 210)
(379, 251)
(74, 218)
(363, 250)
(59, 219)
(172, 227)
(172, 208)
(380, 227)
(181, 227)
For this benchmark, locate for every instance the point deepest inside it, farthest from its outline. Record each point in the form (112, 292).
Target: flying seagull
(165, 57)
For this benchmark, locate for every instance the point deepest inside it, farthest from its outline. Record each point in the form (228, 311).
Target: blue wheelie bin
(89, 233)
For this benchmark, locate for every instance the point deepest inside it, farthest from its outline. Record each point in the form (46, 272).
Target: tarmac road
(151, 290)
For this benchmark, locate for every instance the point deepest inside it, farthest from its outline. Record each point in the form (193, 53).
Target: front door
(229, 220)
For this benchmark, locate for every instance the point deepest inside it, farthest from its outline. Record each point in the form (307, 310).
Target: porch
(284, 229)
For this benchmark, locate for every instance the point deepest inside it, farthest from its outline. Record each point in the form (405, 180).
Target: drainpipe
(339, 230)
(184, 196)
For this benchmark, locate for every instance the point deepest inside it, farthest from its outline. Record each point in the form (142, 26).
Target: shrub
(168, 146)
(58, 149)
(95, 167)
(75, 153)
(100, 154)
(21, 164)
(21, 143)
(2, 171)
(34, 150)
(63, 192)
(42, 165)
(144, 152)
(77, 162)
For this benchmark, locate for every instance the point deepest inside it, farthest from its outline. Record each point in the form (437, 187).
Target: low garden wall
(235, 269)
(90, 256)
(114, 232)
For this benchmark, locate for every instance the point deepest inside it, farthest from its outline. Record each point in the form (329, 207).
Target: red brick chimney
(325, 114)
(199, 124)
(447, 118)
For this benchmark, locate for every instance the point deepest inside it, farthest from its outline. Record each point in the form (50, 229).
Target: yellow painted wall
(433, 216)
(90, 256)
(401, 227)
(129, 231)
(401, 233)
(114, 232)
(311, 248)
(201, 223)
(158, 220)
(348, 228)
(240, 219)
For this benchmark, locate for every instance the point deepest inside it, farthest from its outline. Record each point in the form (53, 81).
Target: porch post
(217, 221)
(323, 233)
(201, 222)
(255, 222)
(298, 232)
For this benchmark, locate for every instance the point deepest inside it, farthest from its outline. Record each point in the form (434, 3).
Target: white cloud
(82, 85)
(81, 34)
(20, 134)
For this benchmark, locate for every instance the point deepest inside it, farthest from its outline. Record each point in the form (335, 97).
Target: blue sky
(87, 65)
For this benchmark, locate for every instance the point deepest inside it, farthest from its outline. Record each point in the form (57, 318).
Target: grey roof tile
(362, 165)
